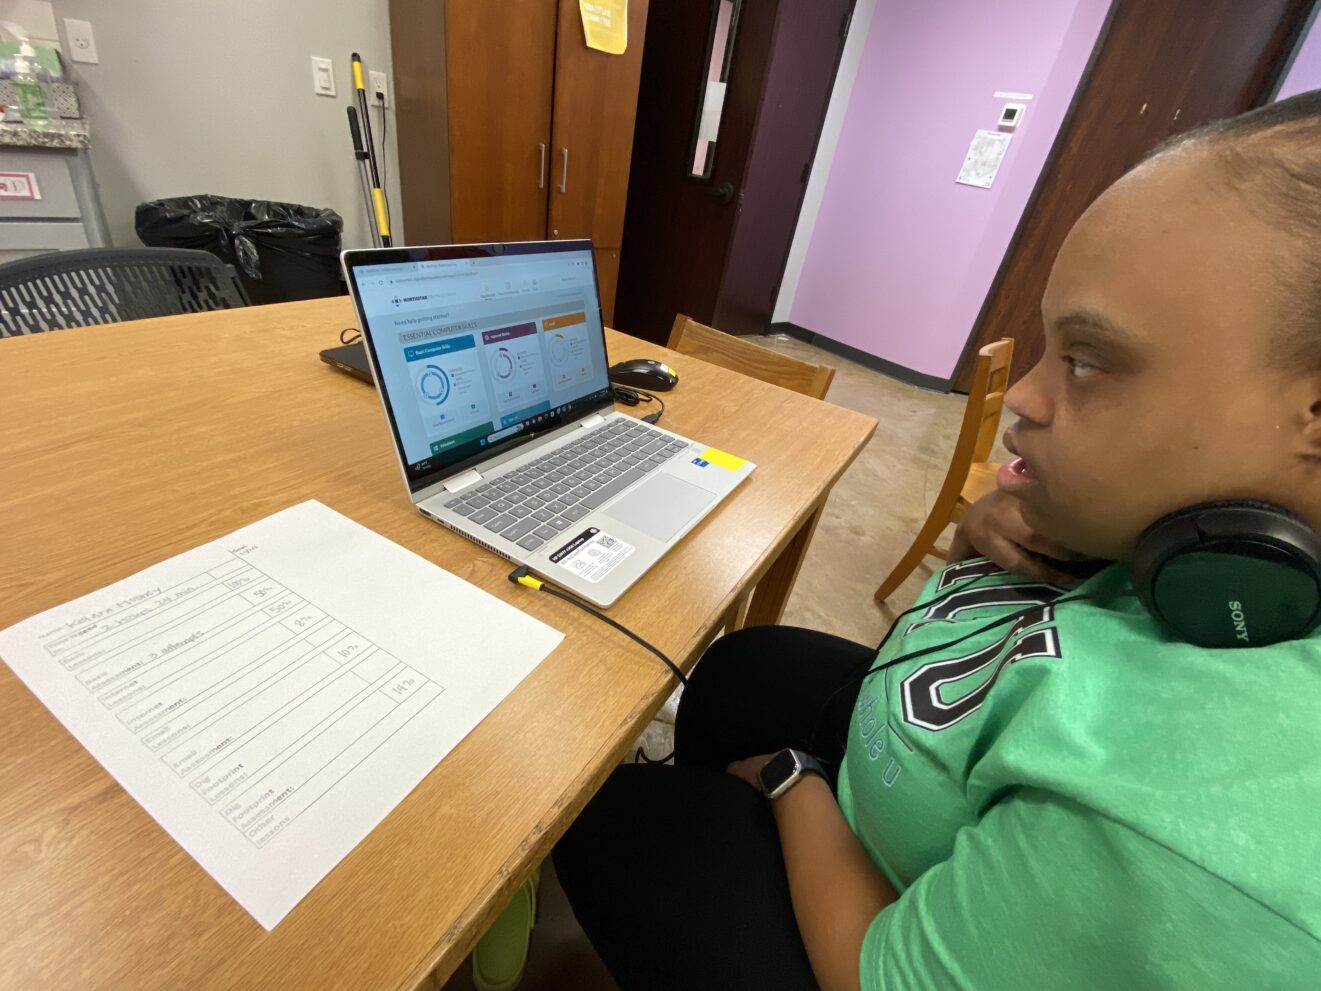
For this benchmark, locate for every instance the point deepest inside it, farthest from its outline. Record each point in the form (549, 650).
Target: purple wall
(901, 256)
(1305, 73)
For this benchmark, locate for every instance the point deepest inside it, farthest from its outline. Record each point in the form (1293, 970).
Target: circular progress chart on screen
(559, 349)
(434, 385)
(502, 365)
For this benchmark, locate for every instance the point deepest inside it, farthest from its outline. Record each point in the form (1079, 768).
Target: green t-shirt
(1074, 801)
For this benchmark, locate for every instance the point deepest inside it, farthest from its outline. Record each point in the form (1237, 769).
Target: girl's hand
(993, 526)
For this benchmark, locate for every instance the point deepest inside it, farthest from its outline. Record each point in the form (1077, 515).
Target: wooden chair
(970, 475)
(692, 338)
(696, 339)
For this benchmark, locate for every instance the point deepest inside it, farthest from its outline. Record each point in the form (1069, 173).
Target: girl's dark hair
(1273, 155)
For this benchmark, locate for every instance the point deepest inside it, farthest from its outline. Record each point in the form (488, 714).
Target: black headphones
(1218, 574)
(1231, 574)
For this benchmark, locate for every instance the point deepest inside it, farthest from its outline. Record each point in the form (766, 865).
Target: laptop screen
(480, 347)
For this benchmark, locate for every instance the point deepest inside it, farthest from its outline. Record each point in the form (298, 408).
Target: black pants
(675, 873)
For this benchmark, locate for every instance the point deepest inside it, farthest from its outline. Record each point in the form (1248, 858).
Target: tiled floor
(869, 522)
(877, 507)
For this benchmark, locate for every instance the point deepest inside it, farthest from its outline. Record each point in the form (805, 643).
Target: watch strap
(804, 764)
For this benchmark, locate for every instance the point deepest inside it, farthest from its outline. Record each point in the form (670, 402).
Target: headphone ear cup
(1239, 574)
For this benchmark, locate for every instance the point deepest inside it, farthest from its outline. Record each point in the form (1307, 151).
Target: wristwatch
(785, 770)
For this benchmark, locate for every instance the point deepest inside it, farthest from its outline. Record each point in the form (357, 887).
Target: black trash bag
(282, 251)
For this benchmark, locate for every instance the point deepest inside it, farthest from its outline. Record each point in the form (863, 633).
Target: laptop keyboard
(534, 503)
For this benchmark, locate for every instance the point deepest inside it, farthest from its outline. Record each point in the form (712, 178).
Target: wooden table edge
(485, 907)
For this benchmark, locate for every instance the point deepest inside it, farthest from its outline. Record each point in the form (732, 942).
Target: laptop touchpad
(661, 506)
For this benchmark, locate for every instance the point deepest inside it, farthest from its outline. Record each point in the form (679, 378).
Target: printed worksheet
(271, 696)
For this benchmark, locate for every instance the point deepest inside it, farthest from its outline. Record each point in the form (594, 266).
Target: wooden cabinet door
(596, 98)
(500, 71)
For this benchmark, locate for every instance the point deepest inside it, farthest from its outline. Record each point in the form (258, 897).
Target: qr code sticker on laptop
(592, 554)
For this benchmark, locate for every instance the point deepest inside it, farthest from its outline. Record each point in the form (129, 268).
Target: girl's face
(1158, 388)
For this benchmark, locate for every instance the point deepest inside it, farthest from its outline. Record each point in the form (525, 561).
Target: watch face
(778, 770)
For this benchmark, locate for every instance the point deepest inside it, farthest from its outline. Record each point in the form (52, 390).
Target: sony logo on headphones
(1240, 621)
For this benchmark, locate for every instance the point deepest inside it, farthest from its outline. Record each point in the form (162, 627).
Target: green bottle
(31, 99)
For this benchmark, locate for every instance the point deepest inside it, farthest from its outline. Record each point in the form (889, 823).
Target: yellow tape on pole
(357, 75)
(382, 218)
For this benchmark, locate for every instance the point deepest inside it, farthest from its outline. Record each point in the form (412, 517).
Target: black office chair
(107, 285)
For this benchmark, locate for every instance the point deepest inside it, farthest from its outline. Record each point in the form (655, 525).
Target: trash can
(282, 251)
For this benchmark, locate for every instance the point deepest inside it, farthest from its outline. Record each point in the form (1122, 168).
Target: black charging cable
(630, 396)
(350, 335)
(1011, 618)
(894, 625)
(523, 576)
(914, 654)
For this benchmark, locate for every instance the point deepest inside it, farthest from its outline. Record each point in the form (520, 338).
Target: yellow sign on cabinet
(605, 22)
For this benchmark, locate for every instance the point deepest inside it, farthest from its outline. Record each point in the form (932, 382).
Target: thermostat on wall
(1012, 114)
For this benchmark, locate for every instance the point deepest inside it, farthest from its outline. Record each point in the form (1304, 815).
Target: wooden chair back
(970, 476)
(990, 382)
(700, 341)
(981, 420)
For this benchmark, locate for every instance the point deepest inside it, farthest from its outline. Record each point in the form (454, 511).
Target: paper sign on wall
(605, 22)
(985, 154)
(19, 186)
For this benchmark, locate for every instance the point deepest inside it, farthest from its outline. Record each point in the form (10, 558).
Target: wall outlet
(376, 83)
(323, 76)
(82, 43)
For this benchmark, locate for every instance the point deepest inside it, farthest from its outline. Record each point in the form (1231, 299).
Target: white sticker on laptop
(592, 554)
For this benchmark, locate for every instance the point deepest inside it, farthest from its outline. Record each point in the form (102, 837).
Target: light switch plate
(377, 83)
(323, 76)
(82, 43)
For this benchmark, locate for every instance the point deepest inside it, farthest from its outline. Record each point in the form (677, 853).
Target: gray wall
(215, 96)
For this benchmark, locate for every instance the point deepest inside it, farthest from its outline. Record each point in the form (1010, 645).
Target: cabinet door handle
(541, 181)
(564, 176)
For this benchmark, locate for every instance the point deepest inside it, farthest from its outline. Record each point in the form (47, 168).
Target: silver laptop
(490, 362)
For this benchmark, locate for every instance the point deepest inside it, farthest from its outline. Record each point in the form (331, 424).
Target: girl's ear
(1311, 434)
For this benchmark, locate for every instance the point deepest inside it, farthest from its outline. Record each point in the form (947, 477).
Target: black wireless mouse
(643, 373)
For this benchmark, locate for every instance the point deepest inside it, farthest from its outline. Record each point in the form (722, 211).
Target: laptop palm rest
(661, 506)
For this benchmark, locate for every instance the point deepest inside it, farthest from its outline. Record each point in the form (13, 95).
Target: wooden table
(125, 445)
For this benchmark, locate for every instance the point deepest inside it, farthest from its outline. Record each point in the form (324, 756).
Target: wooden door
(607, 278)
(805, 52)
(596, 98)
(421, 111)
(500, 71)
(679, 229)
(1163, 67)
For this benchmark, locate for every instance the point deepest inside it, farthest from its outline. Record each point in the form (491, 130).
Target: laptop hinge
(592, 422)
(461, 481)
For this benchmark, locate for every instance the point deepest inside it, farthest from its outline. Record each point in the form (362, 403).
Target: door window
(719, 51)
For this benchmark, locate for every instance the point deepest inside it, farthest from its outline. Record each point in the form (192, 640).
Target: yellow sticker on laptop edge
(722, 459)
